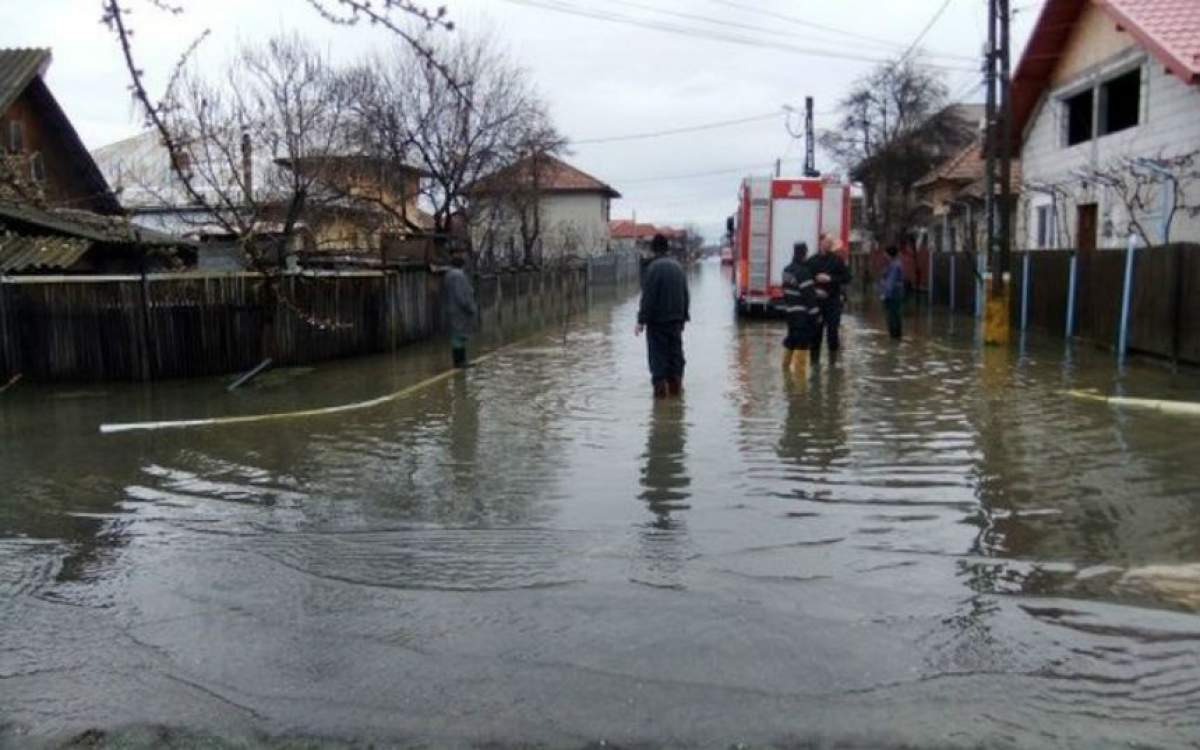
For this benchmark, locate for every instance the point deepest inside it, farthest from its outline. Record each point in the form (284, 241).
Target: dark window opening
(1121, 102)
(1045, 226)
(37, 168)
(16, 136)
(1079, 118)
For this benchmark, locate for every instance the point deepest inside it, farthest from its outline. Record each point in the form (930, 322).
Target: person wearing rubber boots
(662, 314)
(830, 275)
(461, 311)
(802, 311)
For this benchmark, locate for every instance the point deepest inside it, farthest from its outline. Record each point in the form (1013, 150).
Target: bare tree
(476, 116)
(1138, 183)
(895, 127)
(243, 145)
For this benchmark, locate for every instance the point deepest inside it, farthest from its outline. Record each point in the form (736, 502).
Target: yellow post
(996, 325)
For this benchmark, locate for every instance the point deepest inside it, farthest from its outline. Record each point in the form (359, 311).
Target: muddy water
(926, 544)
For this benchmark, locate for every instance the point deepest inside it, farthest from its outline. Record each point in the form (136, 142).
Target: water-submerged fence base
(1080, 293)
(172, 326)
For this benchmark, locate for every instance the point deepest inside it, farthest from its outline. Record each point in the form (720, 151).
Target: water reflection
(662, 547)
(664, 479)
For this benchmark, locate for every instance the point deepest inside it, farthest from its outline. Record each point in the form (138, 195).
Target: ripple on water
(431, 559)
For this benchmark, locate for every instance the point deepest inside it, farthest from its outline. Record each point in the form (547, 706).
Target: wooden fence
(1164, 312)
(166, 326)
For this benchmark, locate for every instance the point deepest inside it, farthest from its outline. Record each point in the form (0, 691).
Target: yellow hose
(250, 418)
(1181, 408)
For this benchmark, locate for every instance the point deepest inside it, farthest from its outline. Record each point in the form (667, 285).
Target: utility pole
(998, 152)
(989, 136)
(810, 156)
(1006, 136)
(778, 166)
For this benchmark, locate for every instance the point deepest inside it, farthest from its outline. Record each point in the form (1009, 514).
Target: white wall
(573, 224)
(1169, 125)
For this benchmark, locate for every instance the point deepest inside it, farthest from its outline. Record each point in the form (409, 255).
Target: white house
(561, 209)
(1107, 94)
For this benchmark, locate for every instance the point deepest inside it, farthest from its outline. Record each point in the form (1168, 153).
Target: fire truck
(773, 214)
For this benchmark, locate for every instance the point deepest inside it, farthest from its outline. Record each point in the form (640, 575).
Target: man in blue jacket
(891, 291)
(663, 312)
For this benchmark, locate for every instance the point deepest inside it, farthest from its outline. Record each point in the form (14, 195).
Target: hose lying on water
(1181, 408)
(250, 418)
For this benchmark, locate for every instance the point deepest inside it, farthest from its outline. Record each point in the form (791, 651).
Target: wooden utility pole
(1005, 155)
(998, 150)
(989, 136)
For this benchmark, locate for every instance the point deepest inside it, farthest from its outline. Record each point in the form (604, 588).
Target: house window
(1121, 102)
(1079, 117)
(1046, 219)
(16, 136)
(37, 167)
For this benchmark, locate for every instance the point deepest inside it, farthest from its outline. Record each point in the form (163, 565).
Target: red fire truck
(774, 214)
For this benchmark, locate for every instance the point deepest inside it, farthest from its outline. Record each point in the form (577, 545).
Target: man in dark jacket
(458, 301)
(801, 307)
(831, 275)
(891, 291)
(662, 315)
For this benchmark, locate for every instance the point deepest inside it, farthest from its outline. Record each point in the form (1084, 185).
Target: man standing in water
(831, 275)
(458, 300)
(662, 315)
(803, 313)
(891, 291)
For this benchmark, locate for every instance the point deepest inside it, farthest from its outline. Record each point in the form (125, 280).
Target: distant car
(727, 256)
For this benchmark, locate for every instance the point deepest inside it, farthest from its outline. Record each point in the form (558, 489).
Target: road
(925, 543)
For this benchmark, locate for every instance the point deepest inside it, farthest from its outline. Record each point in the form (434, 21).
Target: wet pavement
(924, 544)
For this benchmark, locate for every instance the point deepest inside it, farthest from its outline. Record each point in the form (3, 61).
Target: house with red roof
(629, 235)
(953, 194)
(1105, 92)
(541, 207)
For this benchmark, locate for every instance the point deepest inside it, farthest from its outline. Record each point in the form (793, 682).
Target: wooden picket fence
(186, 325)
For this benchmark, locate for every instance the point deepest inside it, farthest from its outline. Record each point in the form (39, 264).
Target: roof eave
(1176, 65)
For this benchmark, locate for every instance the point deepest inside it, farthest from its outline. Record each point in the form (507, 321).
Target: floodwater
(921, 544)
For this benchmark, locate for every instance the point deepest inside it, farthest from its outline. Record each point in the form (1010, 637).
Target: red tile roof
(556, 176)
(963, 167)
(628, 229)
(1169, 29)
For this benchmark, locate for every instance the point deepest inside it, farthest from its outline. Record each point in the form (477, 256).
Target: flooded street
(927, 543)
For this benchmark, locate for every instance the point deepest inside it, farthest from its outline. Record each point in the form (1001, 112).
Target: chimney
(247, 166)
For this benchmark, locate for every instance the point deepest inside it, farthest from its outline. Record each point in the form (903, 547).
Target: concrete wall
(1169, 125)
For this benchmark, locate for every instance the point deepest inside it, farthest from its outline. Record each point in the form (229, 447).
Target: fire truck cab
(774, 214)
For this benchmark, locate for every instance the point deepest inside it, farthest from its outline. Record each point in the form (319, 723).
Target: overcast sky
(601, 77)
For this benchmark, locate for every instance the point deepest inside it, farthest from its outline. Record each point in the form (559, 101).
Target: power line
(822, 27)
(697, 175)
(677, 131)
(558, 6)
(726, 23)
(924, 31)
